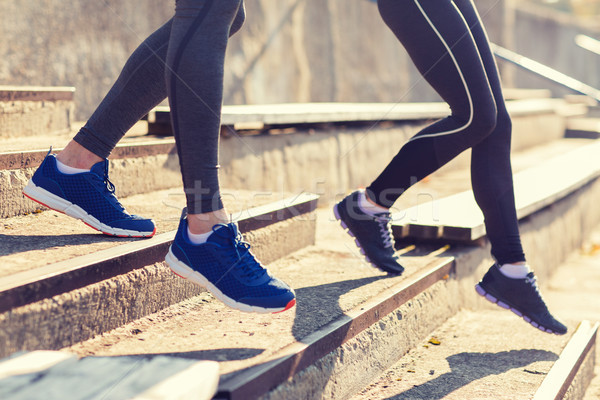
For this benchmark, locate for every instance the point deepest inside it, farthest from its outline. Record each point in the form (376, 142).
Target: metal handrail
(545, 71)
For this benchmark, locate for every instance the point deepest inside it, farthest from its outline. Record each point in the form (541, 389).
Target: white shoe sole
(59, 204)
(182, 270)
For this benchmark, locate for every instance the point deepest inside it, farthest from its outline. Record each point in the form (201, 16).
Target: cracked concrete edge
(356, 363)
(582, 378)
(561, 227)
(66, 319)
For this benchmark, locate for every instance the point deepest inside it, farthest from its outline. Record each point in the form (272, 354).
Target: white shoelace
(384, 220)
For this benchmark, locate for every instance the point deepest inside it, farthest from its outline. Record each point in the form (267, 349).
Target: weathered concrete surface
(573, 290)
(344, 282)
(572, 294)
(30, 118)
(475, 359)
(80, 314)
(331, 161)
(37, 239)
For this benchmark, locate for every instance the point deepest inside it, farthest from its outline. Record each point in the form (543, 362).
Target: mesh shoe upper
(92, 191)
(373, 233)
(226, 261)
(521, 295)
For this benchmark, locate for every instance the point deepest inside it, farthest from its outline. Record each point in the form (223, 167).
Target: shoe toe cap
(135, 223)
(279, 300)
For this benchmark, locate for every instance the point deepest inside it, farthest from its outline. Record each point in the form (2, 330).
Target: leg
(139, 88)
(509, 282)
(439, 41)
(491, 172)
(205, 250)
(440, 44)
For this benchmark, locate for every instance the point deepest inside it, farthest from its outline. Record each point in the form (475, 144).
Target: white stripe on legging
(459, 72)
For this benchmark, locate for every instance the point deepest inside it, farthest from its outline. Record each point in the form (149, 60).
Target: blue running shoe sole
(481, 291)
(54, 202)
(182, 270)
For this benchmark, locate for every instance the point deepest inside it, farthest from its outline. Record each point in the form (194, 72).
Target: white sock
(65, 169)
(515, 271)
(369, 208)
(198, 238)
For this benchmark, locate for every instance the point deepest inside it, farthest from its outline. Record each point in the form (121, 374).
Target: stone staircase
(117, 319)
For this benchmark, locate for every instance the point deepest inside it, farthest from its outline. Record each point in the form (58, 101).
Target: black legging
(448, 44)
(183, 58)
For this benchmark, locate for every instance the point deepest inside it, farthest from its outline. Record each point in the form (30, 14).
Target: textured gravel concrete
(476, 359)
(473, 357)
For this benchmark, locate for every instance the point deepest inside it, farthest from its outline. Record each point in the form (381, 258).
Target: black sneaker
(373, 234)
(521, 296)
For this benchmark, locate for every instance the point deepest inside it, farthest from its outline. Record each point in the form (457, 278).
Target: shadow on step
(224, 354)
(12, 244)
(469, 367)
(318, 305)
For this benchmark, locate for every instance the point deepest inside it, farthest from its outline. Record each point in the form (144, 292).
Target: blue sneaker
(373, 234)
(225, 266)
(88, 196)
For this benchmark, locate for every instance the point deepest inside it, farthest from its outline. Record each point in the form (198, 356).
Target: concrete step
(30, 111)
(48, 374)
(471, 356)
(334, 158)
(573, 290)
(583, 128)
(349, 325)
(61, 288)
(544, 184)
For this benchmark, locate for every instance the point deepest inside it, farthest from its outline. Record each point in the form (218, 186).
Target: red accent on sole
(178, 274)
(289, 305)
(39, 202)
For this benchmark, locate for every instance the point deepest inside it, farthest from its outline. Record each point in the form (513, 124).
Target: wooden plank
(33, 362)
(565, 369)
(199, 381)
(314, 113)
(33, 158)
(36, 93)
(458, 217)
(128, 377)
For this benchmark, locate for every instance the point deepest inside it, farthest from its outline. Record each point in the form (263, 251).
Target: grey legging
(183, 60)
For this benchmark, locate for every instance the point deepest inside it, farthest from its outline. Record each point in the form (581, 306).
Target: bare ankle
(76, 156)
(202, 223)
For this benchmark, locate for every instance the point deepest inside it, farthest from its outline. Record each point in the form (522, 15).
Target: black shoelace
(242, 259)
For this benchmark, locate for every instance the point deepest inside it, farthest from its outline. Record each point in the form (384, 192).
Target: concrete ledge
(30, 111)
(573, 371)
(268, 224)
(36, 93)
(70, 317)
(549, 235)
(136, 378)
(333, 159)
